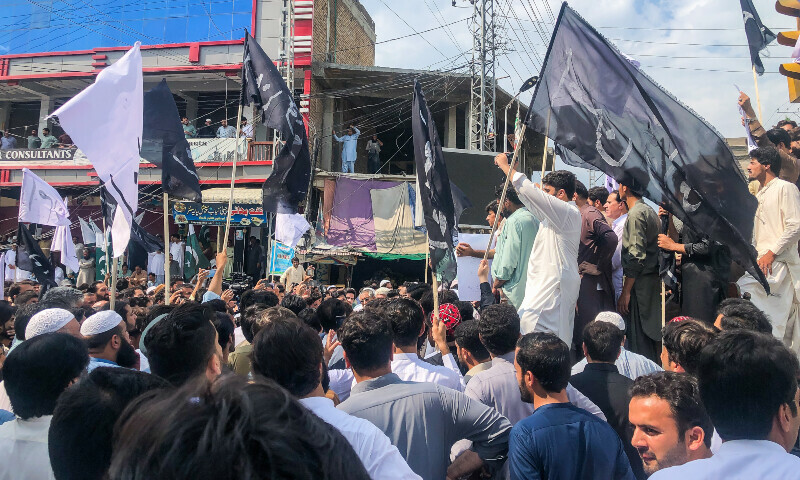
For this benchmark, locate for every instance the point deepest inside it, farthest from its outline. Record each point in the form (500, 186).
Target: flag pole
(427, 255)
(544, 152)
(167, 263)
(758, 97)
(435, 287)
(113, 283)
(663, 304)
(233, 181)
(505, 189)
(105, 245)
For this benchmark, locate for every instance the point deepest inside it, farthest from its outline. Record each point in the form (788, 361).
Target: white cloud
(705, 84)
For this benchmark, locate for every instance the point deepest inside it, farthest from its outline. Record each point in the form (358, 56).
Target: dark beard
(127, 356)
(525, 395)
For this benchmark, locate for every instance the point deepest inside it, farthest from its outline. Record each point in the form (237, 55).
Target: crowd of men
(8, 141)
(565, 369)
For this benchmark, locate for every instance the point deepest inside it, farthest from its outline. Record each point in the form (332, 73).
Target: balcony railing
(260, 152)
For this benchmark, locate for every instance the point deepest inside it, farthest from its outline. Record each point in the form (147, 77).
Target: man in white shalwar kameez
(551, 291)
(177, 249)
(775, 236)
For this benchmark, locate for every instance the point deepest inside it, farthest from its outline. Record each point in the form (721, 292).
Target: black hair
(23, 316)
(313, 297)
(6, 311)
(581, 190)
(38, 370)
(93, 286)
(257, 297)
(367, 341)
(745, 377)
(466, 310)
(119, 308)
(101, 339)
(603, 341)
(25, 297)
(331, 313)
(468, 337)
(598, 193)
(769, 157)
(786, 121)
(683, 341)
(561, 180)
(406, 319)
(233, 429)
(290, 353)
(225, 327)
(492, 207)
(217, 304)
(499, 328)
(293, 302)
(309, 317)
(248, 319)
(778, 136)
(180, 345)
(158, 310)
(511, 195)
(741, 313)
(82, 429)
(547, 357)
(445, 296)
(682, 394)
(269, 315)
(418, 291)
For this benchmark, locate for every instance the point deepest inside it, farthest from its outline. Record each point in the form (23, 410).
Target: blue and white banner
(281, 258)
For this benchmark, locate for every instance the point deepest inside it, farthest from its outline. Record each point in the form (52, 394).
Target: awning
(240, 195)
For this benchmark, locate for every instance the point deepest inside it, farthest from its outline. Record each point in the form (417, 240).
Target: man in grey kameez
(640, 301)
(423, 420)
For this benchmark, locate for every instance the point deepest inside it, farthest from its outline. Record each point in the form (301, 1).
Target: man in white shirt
(775, 236)
(551, 291)
(35, 375)
(289, 352)
(177, 249)
(408, 324)
(247, 129)
(294, 274)
(617, 212)
(155, 264)
(748, 384)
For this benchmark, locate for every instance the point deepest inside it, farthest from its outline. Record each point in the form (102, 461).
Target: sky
(696, 49)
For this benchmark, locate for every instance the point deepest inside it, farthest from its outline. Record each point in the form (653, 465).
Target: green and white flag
(194, 259)
(101, 245)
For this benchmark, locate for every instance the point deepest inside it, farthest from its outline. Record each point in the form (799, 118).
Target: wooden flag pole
(167, 263)
(544, 152)
(758, 97)
(233, 181)
(113, 283)
(105, 245)
(427, 256)
(663, 304)
(505, 189)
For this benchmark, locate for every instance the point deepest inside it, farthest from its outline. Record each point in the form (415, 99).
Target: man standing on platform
(597, 246)
(640, 301)
(617, 212)
(349, 143)
(775, 236)
(551, 291)
(177, 249)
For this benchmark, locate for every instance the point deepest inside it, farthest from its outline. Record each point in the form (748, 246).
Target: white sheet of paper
(469, 287)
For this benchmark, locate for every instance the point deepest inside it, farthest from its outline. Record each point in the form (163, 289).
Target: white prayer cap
(384, 282)
(150, 290)
(382, 291)
(611, 317)
(47, 321)
(100, 322)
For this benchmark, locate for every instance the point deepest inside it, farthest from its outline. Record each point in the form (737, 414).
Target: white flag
(289, 228)
(62, 242)
(105, 122)
(95, 228)
(40, 203)
(87, 232)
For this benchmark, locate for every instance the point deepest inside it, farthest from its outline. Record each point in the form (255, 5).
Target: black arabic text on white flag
(40, 203)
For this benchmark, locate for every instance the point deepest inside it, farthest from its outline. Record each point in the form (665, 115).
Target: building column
(450, 127)
(5, 114)
(326, 147)
(46, 108)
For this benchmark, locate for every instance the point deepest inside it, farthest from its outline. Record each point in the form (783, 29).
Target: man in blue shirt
(559, 441)
(106, 335)
(349, 143)
(7, 142)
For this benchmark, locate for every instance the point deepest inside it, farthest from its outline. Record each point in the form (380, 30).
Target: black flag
(438, 201)
(611, 115)
(758, 36)
(165, 145)
(263, 86)
(31, 258)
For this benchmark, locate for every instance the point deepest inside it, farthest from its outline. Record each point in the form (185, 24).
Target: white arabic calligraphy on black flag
(758, 36)
(611, 115)
(31, 258)
(164, 144)
(440, 204)
(263, 86)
